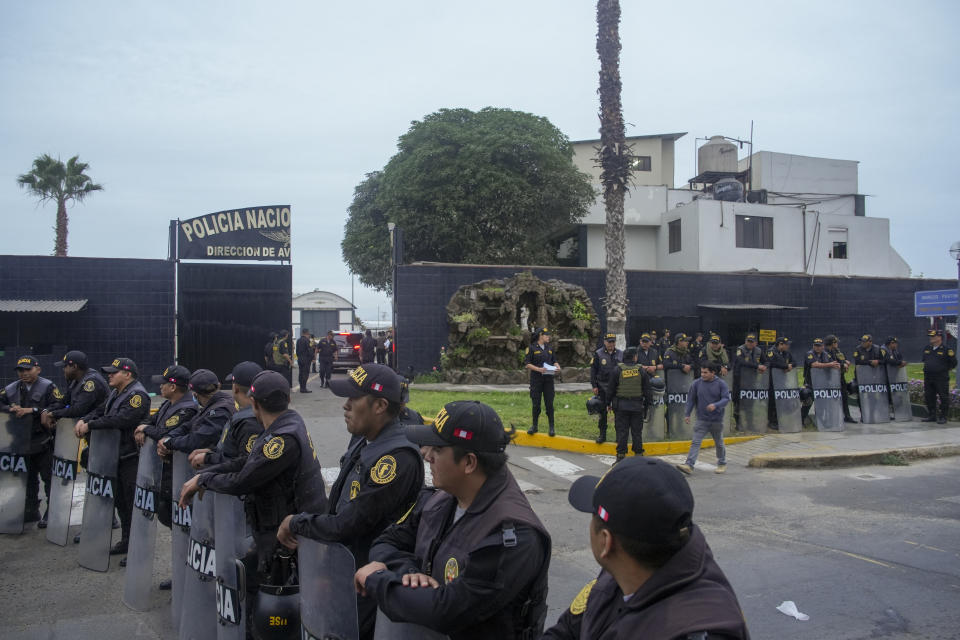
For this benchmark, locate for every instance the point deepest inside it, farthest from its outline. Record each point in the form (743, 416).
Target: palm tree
(614, 159)
(50, 179)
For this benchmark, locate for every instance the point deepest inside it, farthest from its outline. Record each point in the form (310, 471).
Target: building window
(673, 235)
(839, 251)
(754, 232)
(640, 163)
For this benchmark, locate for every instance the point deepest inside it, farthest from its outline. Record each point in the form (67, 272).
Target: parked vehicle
(348, 350)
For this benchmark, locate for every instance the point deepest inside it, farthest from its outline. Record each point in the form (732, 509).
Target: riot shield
(179, 532)
(754, 396)
(328, 602)
(729, 422)
(63, 474)
(786, 395)
(655, 422)
(143, 529)
(899, 393)
(827, 399)
(14, 446)
(872, 394)
(387, 629)
(97, 527)
(678, 384)
(229, 525)
(198, 609)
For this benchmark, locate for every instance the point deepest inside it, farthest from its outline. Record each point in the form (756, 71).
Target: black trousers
(126, 485)
(602, 423)
(542, 387)
(303, 372)
(325, 369)
(936, 385)
(39, 466)
(165, 497)
(628, 424)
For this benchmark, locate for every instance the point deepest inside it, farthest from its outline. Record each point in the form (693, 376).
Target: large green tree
(52, 180)
(490, 187)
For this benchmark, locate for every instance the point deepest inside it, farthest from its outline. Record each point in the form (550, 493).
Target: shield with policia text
(387, 629)
(14, 446)
(872, 394)
(827, 399)
(230, 532)
(198, 609)
(753, 397)
(899, 393)
(328, 601)
(143, 529)
(179, 532)
(62, 477)
(655, 422)
(786, 395)
(729, 421)
(678, 384)
(97, 527)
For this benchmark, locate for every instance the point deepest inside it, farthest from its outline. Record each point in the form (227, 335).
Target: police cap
(78, 358)
(175, 373)
(121, 364)
(751, 337)
(681, 337)
(818, 342)
(783, 340)
(465, 423)
(369, 379)
(610, 337)
(891, 339)
(866, 338)
(645, 337)
(243, 374)
(715, 338)
(934, 332)
(268, 383)
(27, 362)
(204, 381)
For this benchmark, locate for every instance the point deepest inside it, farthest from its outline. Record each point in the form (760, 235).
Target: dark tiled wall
(129, 313)
(847, 307)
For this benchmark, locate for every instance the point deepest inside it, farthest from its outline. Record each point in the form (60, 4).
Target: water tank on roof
(728, 190)
(717, 154)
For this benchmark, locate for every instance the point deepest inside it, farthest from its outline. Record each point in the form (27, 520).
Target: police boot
(602, 437)
(552, 432)
(532, 430)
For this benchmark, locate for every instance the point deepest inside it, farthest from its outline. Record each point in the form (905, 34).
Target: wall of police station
(129, 312)
(847, 307)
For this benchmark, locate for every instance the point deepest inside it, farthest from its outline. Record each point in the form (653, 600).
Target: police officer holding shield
(87, 389)
(679, 356)
(242, 429)
(206, 428)
(30, 396)
(647, 355)
(542, 365)
(816, 358)
(832, 345)
(777, 358)
(868, 353)
(603, 366)
(938, 360)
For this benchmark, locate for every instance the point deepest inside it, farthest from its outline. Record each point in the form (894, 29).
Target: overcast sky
(186, 108)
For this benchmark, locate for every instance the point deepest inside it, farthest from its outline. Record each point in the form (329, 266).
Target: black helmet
(806, 394)
(658, 385)
(594, 405)
(852, 387)
(276, 613)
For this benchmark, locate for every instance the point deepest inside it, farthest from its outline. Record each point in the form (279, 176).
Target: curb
(852, 459)
(579, 445)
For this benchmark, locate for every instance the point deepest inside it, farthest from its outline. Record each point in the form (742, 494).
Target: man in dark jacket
(629, 394)
(326, 352)
(204, 431)
(305, 354)
(658, 578)
(603, 366)
(242, 430)
(471, 559)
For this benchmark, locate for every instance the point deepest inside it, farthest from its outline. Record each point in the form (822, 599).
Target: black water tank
(728, 190)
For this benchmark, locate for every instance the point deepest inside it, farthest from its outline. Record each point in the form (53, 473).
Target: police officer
(280, 476)
(242, 430)
(893, 355)
(304, 359)
(206, 428)
(281, 355)
(714, 352)
(816, 358)
(647, 355)
(664, 342)
(697, 347)
(368, 347)
(30, 396)
(749, 356)
(603, 366)
(86, 389)
(381, 474)
(938, 360)
(326, 352)
(629, 393)
(679, 355)
(658, 578)
(471, 559)
(127, 407)
(832, 345)
(542, 365)
(868, 353)
(779, 357)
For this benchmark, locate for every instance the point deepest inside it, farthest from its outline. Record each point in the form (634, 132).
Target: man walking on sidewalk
(709, 394)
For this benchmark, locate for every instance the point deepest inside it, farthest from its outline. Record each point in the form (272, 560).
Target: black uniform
(378, 482)
(169, 416)
(206, 428)
(326, 350)
(864, 356)
(837, 356)
(304, 359)
(540, 384)
(648, 358)
(368, 349)
(893, 357)
(491, 564)
(280, 362)
(751, 359)
(238, 437)
(630, 394)
(42, 395)
(673, 358)
(280, 476)
(811, 357)
(708, 355)
(83, 396)
(776, 359)
(603, 366)
(125, 411)
(937, 363)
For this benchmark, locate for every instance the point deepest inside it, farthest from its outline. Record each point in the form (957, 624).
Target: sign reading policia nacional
(253, 233)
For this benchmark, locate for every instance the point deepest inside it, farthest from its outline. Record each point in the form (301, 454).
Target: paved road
(871, 552)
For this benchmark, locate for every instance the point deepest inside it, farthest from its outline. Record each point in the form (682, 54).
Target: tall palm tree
(51, 180)
(614, 158)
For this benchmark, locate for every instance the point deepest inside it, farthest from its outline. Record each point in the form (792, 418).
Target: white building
(805, 215)
(322, 311)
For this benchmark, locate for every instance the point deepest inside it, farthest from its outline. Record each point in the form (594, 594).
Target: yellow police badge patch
(273, 448)
(603, 362)
(136, 401)
(172, 421)
(579, 604)
(384, 471)
(250, 442)
(451, 570)
(57, 394)
(354, 489)
(88, 386)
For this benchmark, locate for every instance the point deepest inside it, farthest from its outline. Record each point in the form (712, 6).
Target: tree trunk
(60, 246)
(614, 163)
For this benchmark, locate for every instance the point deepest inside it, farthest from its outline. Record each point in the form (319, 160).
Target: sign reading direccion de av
(768, 335)
(935, 303)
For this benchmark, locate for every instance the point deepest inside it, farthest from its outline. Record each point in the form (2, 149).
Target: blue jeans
(700, 431)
